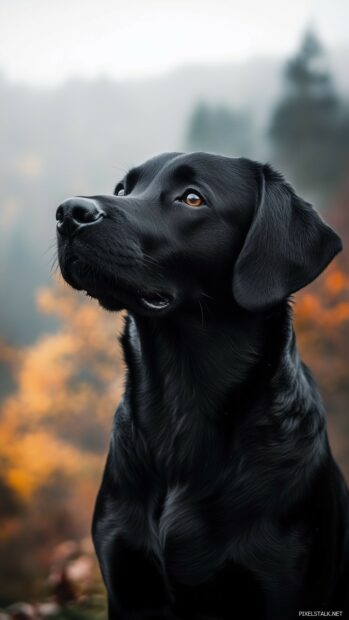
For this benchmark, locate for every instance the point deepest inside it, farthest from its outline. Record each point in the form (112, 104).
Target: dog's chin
(118, 295)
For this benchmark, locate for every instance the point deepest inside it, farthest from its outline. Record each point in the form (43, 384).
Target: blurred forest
(62, 370)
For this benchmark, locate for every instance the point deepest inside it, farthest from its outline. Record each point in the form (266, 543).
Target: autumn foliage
(322, 326)
(54, 433)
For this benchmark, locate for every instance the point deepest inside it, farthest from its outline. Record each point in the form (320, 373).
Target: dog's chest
(194, 513)
(190, 545)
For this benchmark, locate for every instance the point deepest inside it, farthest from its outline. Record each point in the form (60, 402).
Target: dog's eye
(192, 199)
(119, 190)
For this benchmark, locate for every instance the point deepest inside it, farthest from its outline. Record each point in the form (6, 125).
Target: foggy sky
(47, 41)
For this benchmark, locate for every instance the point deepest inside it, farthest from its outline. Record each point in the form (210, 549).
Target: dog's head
(185, 226)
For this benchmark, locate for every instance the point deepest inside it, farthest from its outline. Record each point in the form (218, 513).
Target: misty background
(85, 94)
(88, 90)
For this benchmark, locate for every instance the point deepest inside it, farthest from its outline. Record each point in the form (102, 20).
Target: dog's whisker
(50, 247)
(54, 266)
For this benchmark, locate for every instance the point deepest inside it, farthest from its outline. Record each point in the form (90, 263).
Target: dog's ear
(287, 246)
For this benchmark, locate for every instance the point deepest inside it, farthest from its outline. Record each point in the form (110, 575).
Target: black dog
(220, 497)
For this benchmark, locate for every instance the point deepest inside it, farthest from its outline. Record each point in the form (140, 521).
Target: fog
(47, 42)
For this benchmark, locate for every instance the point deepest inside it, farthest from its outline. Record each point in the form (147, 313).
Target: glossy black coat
(220, 497)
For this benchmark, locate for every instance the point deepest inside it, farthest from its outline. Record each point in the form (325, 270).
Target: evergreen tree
(310, 125)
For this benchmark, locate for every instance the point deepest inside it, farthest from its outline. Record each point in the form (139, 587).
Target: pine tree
(310, 125)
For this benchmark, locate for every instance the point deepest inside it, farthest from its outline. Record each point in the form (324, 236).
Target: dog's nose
(76, 213)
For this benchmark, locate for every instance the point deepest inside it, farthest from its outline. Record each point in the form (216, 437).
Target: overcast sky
(46, 41)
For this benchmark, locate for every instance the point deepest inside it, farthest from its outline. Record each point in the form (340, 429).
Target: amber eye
(192, 199)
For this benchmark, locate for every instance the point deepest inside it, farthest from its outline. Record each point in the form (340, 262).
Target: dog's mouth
(149, 301)
(155, 301)
(115, 293)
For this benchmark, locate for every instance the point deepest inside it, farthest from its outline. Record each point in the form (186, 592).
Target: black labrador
(220, 496)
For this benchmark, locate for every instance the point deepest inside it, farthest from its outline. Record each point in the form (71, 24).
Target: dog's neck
(208, 364)
(196, 389)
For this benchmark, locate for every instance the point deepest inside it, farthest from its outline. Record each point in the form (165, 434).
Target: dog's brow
(184, 173)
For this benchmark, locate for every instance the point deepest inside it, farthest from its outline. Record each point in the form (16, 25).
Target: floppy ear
(287, 246)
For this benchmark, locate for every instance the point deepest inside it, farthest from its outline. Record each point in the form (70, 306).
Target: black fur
(220, 496)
